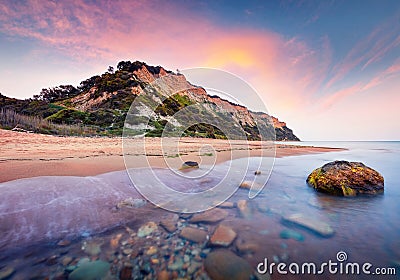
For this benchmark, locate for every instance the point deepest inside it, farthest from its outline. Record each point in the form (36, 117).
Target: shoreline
(26, 155)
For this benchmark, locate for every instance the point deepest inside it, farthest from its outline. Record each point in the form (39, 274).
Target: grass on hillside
(10, 119)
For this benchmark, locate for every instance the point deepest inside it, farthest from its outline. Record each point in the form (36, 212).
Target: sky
(329, 69)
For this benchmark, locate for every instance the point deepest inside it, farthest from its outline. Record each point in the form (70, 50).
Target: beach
(26, 155)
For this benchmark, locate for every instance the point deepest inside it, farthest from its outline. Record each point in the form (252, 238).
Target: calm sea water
(367, 228)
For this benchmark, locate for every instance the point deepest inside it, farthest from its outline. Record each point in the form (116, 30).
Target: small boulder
(189, 165)
(345, 178)
(223, 264)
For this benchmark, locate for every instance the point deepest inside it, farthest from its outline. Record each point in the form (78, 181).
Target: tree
(89, 83)
(57, 93)
(124, 65)
(110, 70)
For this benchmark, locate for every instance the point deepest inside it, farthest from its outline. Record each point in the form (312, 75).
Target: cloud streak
(383, 39)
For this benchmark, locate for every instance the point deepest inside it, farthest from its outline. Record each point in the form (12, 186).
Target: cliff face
(163, 99)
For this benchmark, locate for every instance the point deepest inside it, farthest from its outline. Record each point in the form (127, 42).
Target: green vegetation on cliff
(100, 105)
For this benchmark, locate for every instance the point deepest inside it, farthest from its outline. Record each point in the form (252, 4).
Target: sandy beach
(25, 155)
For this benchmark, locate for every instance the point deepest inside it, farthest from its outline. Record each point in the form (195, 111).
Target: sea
(365, 229)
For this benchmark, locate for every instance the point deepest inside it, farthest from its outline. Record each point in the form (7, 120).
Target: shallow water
(366, 228)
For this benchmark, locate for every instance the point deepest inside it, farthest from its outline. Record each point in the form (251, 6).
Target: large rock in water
(346, 179)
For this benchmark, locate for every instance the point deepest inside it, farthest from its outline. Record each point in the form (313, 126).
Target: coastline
(26, 155)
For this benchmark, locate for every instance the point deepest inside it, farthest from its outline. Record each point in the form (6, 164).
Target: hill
(99, 105)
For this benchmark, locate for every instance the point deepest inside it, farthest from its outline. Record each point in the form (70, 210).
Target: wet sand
(25, 155)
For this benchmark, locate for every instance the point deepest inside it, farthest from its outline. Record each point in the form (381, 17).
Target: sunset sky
(330, 69)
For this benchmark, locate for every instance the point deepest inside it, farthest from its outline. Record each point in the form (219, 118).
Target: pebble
(151, 251)
(193, 267)
(177, 265)
(195, 252)
(92, 248)
(186, 258)
(51, 260)
(114, 242)
(147, 229)
(163, 275)
(64, 243)
(127, 251)
(66, 261)
(245, 184)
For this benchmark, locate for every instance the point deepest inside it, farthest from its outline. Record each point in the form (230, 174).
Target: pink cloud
(388, 73)
(369, 50)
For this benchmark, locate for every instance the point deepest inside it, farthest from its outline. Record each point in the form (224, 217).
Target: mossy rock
(345, 178)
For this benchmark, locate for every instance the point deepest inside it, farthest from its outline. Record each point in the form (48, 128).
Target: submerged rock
(194, 234)
(169, 223)
(223, 264)
(223, 236)
(346, 179)
(90, 271)
(245, 246)
(227, 204)
(318, 227)
(244, 209)
(210, 216)
(291, 234)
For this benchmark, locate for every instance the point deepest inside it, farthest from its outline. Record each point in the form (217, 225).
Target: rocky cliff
(164, 100)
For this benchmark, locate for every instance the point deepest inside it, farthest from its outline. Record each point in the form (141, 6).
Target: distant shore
(25, 155)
